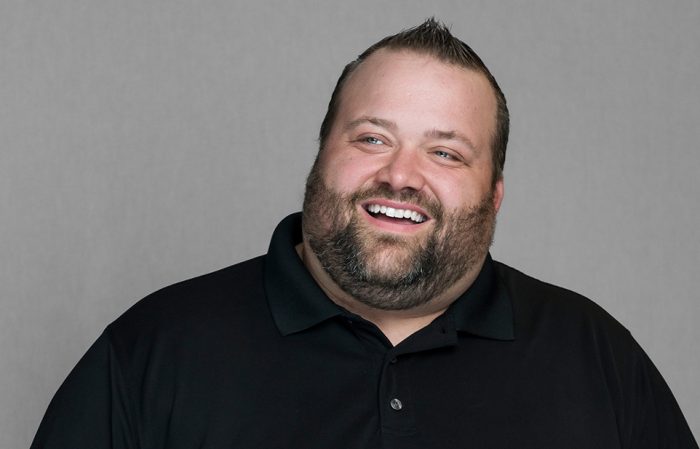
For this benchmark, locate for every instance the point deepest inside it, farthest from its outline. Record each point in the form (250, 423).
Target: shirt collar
(485, 309)
(298, 303)
(296, 300)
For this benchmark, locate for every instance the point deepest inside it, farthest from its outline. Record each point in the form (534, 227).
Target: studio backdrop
(143, 143)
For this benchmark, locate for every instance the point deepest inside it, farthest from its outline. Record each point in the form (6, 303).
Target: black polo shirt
(256, 356)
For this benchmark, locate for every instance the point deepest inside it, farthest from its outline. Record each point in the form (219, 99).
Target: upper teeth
(396, 213)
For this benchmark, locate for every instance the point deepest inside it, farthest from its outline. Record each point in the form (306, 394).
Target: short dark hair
(432, 38)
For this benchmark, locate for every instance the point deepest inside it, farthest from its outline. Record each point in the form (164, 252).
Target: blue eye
(444, 154)
(373, 140)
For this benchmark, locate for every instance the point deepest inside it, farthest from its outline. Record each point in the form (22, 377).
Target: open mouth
(396, 215)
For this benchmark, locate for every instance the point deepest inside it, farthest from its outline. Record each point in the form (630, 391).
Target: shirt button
(394, 360)
(396, 404)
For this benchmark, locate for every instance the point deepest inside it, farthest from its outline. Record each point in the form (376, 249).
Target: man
(377, 318)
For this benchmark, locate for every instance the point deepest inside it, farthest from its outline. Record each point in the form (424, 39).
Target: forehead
(420, 90)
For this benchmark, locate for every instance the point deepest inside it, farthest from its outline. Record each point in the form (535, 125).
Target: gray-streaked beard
(393, 272)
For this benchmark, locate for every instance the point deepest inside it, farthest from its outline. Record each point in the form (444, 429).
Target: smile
(406, 214)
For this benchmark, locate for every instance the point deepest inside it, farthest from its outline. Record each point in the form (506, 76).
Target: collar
(485, 309)
(298, 303)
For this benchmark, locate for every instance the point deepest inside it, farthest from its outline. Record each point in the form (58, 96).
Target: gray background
(147, 142)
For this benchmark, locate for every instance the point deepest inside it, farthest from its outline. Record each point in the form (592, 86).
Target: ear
(498, 191)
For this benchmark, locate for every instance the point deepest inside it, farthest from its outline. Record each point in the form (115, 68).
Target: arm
(90, 409)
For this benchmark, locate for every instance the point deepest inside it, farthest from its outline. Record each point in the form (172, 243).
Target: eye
(372, 140)
(444, 155)
(448, 157)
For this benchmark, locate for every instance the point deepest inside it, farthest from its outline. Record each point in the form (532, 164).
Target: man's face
(400, 204)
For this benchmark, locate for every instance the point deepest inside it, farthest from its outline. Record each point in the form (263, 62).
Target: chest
(355, 393)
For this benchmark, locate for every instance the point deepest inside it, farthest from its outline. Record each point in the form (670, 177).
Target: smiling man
(377, 319)
(401, 203)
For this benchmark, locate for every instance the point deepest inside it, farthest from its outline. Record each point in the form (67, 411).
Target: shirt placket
(396, 408)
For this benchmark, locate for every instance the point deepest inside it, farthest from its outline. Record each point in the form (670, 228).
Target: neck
(396, 325)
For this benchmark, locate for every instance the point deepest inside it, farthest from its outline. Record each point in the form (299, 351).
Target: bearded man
(377, 318)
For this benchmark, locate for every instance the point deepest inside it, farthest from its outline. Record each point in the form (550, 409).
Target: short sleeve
(654, 419)
(90, 409)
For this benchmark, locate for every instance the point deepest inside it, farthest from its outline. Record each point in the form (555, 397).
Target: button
(394, 360)
(396, 404)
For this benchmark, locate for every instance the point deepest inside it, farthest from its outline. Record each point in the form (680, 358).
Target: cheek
(347, 173)
(455, 194)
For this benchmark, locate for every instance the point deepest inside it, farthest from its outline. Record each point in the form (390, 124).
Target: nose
(402, 171)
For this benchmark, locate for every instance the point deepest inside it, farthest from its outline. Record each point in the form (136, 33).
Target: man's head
(401, 202)
(434, 39)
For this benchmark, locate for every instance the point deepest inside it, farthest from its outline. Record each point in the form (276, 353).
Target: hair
(432, 38)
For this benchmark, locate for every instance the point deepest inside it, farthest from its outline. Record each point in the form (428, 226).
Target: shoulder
(569, 336)
(527, 291)
(198, 305)
(544, 309)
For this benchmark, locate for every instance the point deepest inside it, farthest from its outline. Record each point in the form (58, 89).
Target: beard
(393, 272)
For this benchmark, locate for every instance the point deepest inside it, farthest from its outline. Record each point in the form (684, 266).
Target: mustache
(410, 196)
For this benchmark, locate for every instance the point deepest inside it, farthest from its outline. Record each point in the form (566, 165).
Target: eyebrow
(383, 123)
(452, 135)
